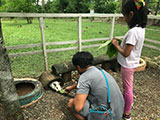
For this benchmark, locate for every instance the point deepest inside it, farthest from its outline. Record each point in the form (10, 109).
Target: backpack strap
(104, 110)
(108, 90)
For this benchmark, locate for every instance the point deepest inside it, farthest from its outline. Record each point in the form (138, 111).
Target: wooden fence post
(79, 33)
(43, 44)
(112, 28)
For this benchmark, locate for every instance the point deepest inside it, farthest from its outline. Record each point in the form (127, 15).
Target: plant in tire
(111, 49)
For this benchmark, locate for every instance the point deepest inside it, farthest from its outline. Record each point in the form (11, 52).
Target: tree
(105, 6)
(157, 8)
(69, 6)
(8, 95)
(153, 6)
(19, 6)
(83, 6)
(25, 6)
(56, 6)
(60, 6)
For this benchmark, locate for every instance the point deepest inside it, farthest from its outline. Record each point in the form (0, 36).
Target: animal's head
(56, 86)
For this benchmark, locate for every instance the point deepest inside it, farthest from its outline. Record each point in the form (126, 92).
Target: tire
(31, 97)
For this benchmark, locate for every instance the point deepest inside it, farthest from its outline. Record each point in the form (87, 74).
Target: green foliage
(105, 44)
(68, 6)
(71, 8)
(60, 6)
(52, 7)
(62, 91)
(103, 6)
(25, 6)
(91, 5)
(83, 6)
(152, 5)
(111, 49)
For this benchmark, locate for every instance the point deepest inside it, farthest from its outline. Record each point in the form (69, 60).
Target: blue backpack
(101, 112)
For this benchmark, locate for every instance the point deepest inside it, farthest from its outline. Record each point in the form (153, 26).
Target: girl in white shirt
(135, 14)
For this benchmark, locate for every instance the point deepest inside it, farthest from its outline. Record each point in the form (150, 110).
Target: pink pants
(127, 79)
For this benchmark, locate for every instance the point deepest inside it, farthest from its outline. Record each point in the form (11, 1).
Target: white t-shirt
(135, 36)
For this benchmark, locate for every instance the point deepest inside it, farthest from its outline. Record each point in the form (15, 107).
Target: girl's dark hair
(83, 59)
(140, 16)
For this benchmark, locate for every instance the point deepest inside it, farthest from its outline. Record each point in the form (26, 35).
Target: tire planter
(142, 65)
(29, 91)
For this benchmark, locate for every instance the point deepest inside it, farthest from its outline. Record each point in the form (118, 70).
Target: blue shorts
(85, 110)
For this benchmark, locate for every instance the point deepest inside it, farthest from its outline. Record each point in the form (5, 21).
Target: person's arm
(124, 51)
(79, 101)
(69, 88)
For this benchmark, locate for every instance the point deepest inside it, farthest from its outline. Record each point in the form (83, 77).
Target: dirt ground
(53, 106)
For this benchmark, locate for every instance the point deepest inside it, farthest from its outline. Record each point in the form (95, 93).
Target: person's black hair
(83, 59)
(140, 16)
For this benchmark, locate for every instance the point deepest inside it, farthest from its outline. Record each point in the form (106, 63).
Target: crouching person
(98, 95)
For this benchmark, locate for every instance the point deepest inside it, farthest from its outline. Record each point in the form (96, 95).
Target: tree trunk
(37, 2)
(29, 20)
(43, 5)
(8, 94)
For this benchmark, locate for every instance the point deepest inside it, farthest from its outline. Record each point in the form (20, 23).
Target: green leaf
(105, 44)
(116, 54)
(62, 91)
(111, 50)
(118, 39)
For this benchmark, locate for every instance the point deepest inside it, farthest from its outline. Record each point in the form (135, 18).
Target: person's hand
(115, 42)
(68, 89)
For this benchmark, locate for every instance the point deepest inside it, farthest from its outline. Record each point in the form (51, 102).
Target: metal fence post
(112, 28)
(79, 33)
(43, 43)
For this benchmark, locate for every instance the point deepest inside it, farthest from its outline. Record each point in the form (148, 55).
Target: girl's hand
(115, 42)
(126, 50)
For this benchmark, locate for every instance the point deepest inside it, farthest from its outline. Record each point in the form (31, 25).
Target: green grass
(153, 34)
(18, 32)
(154, 27)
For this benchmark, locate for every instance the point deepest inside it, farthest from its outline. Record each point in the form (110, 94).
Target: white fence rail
(79, 41)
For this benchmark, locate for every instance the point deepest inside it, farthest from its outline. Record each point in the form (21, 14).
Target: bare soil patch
(24, 88)
(53, 106)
